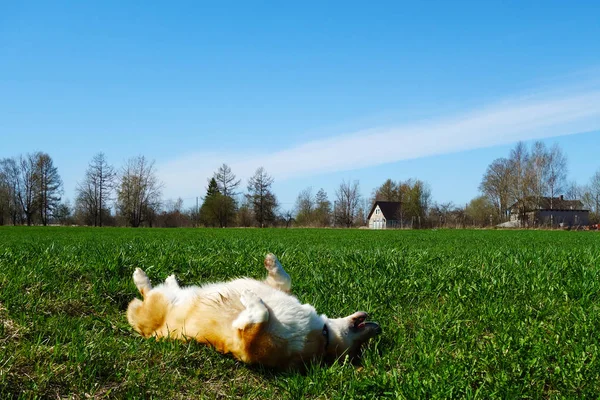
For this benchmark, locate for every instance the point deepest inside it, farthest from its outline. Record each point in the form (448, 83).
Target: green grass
(477, 314)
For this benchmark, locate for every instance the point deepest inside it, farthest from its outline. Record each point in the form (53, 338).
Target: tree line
(31, 192)
(519, 181)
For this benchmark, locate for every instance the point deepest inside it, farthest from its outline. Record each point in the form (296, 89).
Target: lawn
(481, 314)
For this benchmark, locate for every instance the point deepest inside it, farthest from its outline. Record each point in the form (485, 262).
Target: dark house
(549, 211)
(384, 215)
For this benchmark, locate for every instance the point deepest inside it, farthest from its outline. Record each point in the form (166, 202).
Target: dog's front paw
(255, 311)
(249, 298)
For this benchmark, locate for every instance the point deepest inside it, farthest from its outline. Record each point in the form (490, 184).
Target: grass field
(464, 313)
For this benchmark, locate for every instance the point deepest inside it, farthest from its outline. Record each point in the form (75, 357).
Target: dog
(258, 322)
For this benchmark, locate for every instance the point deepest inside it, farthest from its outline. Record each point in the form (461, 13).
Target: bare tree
(440, 213)
(261, 198)
(138, 195)
(449, 215)
(305, 207)
(590, 202)
(287, 217)
(226, 180)
(49, 188)
(9, 176)
(172, 215)
(573, 191)
(227, 185)
(347, 200)
(594, 190)
(4, 199)
(95, 192)
(33, 187)
(496, 185)
(539, 169)
(522, 178)
(27, 186)
(556, 175)
(362, 213)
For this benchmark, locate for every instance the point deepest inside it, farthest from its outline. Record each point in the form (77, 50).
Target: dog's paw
(277, 278)
(272, 263)
(140, 278)
(249, 298)
(171, 281)
(255, 312)
(141, 281)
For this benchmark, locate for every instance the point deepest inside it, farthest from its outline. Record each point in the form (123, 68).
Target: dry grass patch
(10, 329)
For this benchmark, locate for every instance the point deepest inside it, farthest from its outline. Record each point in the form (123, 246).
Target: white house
(384, 215)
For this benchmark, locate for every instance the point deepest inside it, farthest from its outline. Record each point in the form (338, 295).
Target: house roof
(550, 203)
(388, 208)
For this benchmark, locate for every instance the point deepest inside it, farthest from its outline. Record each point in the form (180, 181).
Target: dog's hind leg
(277, 278)
(142, 282)
(254, 343)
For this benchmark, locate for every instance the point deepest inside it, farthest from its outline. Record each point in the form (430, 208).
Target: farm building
(384, 215)
(549, 211)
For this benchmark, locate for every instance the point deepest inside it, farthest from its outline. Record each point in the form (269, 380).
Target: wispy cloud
(556, 113)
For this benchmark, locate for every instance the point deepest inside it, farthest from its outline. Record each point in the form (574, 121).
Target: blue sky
(316, 92)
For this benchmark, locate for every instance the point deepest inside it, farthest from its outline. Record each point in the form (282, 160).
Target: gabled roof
(550, 203)
(388, 208)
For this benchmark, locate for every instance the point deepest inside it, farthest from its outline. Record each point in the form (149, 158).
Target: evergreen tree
(210, 209)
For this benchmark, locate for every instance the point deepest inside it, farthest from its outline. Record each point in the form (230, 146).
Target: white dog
(258, 322)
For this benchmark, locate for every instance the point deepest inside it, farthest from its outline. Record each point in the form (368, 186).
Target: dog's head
(345, 336)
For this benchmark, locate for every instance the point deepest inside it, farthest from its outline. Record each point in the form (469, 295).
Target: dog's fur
(258, 322)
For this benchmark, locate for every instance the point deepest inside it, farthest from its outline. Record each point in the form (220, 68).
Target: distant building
(384, 215)
(549, 211)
